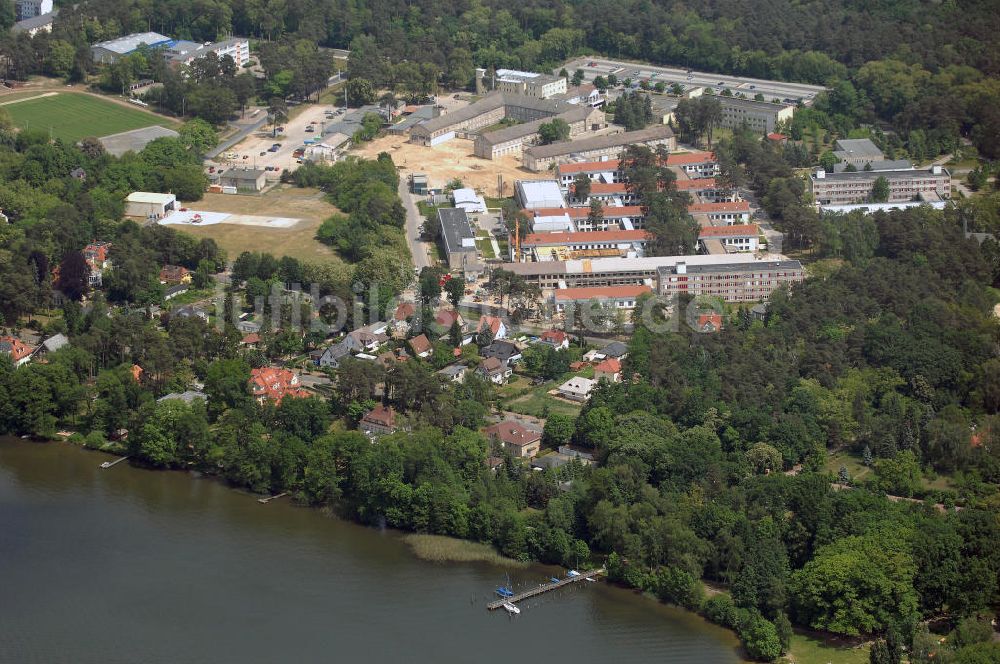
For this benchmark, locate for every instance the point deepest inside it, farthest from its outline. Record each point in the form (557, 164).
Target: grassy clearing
(809, 649)
(486, 248)
(857, 470)
(441, 549)
(536, 401)
(299, 241)
(72, 116)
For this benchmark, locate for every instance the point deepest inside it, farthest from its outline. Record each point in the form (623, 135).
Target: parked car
(262, 153)
(309, 129)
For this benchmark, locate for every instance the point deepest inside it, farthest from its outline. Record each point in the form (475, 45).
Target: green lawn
(808, 649)
(534, 402)
(72, 116)
(486, 247)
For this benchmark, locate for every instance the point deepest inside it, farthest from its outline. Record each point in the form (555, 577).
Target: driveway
(414, 220)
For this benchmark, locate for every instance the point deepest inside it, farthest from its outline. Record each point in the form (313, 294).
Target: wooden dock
(109, 464)
(544, 588)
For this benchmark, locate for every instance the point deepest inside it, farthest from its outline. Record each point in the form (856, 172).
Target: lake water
(129, 565)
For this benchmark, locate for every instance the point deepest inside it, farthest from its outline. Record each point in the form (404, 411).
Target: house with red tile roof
(555, 338)
(274, 384)
(731, 212)
(711, 322)
(379, 421)
(421, 346)
(515, 438)
(175, 274)
(18, 351)
(251, 340)
(620, 297)
(494, 324)
(609, 369)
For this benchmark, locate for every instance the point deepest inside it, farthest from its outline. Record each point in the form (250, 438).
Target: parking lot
(786, 92)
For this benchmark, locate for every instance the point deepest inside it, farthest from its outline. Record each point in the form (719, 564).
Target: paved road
(245, 131)
(414, 220)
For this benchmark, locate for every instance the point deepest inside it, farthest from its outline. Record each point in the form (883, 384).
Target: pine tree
(843, 476)
(866, 456)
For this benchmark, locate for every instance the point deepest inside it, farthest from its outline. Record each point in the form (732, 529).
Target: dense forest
(927, 69)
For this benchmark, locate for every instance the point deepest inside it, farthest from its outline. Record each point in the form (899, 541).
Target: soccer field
(72, 116)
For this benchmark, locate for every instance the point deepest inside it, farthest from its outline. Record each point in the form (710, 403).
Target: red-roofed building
(494, 325)
(614, 217)
(709, 322)
(555, 338)
(738, 237)
(609, 369)
(775, 137)
(274, 384)
(621, 297)
(251, 340)
(541, 245)
(379, 421)
(421, 346)
(19, 352)
(175, 274)
(731, 212)
(515, 438)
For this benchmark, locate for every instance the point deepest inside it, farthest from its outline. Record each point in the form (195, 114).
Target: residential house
(191, 312)
(175, 274)
(494, 324)
(454, 373)
(610, 370)
(577, 388)
(555, 338)
(503, 350)
(515, 438)
(18, 351)
(368, 338)
(251, 340)
(52, 344)
(421, 346)
(710, 322)
(274, 384)
(494, 371)
(379, 421)
(615, 349)
(332, 355)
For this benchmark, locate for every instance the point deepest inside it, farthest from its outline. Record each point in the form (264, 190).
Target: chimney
(480, 75)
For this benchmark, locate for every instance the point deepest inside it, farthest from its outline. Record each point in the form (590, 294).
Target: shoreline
(442, 550)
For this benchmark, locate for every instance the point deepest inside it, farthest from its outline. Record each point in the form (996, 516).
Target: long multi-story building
(580, 244)
(929, 184)
(544, 157)
(730, 281)
(693, 164)
(25, 9)
(185, 52)
(577, 219)
(550, 275)
(484, 113)
(729, 212)
(512, 140)
(111, 51)
(760, 116)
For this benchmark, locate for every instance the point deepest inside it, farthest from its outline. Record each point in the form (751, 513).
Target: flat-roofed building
(761, 117)
(550, 275)
(112, 50)
(559, 246)
(544, 157)
(693, 164)
(529, 83)
(26, 9)
(627, 217)
(927, 184)
(535, 194)
(738, 237)
(857, 152)
(149, 205)
(732, 282)
(183, 52)
(458, 238)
